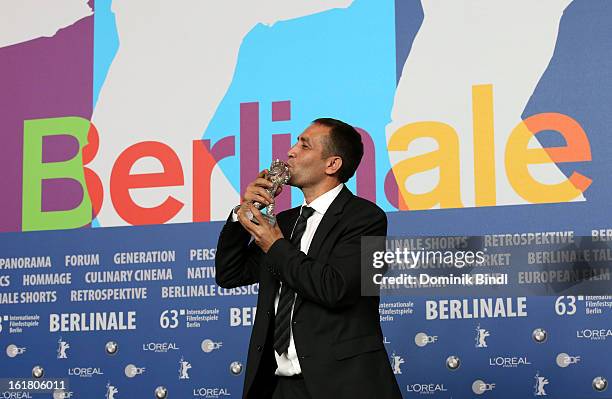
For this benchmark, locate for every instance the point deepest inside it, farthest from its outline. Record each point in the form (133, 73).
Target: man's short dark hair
(343, 141)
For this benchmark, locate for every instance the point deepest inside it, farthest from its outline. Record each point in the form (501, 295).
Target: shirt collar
(323, 201)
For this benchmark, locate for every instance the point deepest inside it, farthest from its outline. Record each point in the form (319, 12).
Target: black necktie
(282, 322)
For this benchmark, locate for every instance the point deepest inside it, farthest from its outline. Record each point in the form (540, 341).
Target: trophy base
(271, 219)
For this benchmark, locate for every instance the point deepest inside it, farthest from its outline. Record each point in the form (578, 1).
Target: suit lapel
(286, 223)
(331, 217)
(329, 220)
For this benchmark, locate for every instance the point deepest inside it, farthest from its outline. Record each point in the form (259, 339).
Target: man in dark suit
(315, 335)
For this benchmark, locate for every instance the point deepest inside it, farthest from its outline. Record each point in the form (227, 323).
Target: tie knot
(306, 212)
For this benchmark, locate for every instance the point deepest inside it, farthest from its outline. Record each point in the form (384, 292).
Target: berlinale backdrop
(128, 128)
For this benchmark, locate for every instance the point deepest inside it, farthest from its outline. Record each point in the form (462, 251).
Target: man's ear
(333, 165)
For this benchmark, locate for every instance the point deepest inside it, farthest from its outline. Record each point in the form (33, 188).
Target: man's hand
(256, 191)
(264, 234)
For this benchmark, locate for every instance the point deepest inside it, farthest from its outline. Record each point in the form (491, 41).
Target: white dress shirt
(288, 363)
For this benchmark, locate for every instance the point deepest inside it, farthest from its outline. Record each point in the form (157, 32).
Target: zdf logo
(422, 339)
(14, 350)
(564, 360)
(479, 387)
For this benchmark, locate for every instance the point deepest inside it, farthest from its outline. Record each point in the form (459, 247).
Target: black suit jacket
(336, 331)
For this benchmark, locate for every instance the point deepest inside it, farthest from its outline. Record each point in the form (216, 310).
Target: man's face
(306, 158)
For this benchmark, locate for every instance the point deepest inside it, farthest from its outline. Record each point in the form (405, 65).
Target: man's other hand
(263, 233)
